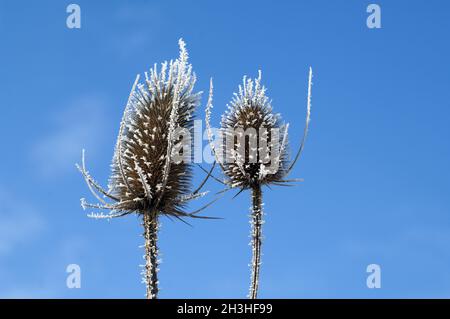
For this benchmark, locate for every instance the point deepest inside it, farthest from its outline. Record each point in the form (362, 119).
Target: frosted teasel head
(145, 178)
(253, 140)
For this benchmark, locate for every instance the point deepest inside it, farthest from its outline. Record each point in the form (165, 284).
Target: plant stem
(256, 239)
(151, 254)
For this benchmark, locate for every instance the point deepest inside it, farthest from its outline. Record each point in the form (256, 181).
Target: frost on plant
(144, 179)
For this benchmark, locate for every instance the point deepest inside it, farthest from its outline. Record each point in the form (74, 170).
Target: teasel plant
(264, 163)
(145, 180)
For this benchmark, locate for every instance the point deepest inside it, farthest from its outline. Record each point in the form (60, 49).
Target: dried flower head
(144, 176)
(253, 141)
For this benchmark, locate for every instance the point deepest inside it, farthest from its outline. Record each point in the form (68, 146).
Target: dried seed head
(143, 175)
(255, 138)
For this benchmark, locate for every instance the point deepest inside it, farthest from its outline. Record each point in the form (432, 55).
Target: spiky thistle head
(143, 173)
(256, 150)
(145, 177)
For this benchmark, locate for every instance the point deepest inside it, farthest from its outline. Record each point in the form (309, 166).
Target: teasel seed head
(250, 125)
(144, 177)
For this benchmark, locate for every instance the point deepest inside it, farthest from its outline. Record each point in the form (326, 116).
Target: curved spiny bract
(145, 178)
(250, 125)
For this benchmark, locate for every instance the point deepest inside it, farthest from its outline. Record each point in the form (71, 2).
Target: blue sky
(375, 165)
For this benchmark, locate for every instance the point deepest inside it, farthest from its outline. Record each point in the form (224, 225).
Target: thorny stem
(151, 254)
(256, 221)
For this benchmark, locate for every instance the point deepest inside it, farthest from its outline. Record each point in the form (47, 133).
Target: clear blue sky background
(376, 164)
